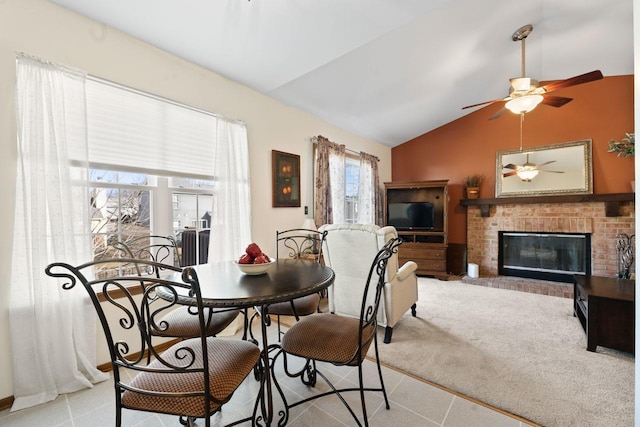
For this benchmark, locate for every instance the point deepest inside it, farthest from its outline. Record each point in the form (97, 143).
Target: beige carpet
(520, 352)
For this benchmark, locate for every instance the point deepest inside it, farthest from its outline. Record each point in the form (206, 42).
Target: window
(192, 213)
(351, 193)
(192, 203)
(127, 206)
(351, 182)
(120, 209)
(151, 173)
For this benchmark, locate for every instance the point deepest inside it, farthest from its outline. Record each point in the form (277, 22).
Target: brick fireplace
(594, 217)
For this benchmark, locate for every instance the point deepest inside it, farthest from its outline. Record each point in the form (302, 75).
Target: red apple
(253, 250)
(261, 259)
(245, 259)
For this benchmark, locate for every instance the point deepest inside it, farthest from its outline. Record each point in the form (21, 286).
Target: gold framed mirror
(556, 169)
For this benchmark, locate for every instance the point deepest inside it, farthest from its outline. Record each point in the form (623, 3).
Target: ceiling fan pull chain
(521, 123)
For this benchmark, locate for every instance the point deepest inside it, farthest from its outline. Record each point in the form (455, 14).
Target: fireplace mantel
(612, 201)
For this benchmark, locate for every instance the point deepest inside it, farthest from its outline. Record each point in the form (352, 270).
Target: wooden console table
(605, 307)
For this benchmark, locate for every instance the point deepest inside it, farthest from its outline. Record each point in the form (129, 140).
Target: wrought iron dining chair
(181, 322)
(341, 340)
(191, 379)
(299, 243)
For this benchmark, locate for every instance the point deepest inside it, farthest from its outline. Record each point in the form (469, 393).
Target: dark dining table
(223, 285)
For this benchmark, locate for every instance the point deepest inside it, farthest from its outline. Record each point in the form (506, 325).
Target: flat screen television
(411, 216)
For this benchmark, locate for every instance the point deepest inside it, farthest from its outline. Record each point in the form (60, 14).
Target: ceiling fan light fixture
(527, 173)
(526, 93)
(523, 104)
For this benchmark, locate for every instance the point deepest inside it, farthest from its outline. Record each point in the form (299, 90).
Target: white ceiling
(388, 70)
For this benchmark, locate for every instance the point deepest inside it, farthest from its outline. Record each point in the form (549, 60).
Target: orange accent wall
(600, 111)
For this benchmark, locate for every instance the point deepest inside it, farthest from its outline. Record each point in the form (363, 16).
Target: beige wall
(50, 32)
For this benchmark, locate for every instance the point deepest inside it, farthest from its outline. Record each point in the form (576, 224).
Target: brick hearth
(543, 287)
(586, 217)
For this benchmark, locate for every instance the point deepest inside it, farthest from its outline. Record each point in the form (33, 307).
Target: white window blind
(139, 131)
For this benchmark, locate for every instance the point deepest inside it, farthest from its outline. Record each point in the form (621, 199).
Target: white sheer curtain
(53, 331)
(336, 173)
(231, 216)
(369, 197)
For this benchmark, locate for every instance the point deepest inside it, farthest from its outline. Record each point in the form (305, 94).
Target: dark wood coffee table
(605, 307)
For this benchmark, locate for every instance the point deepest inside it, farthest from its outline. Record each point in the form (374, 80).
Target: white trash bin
(472, 270)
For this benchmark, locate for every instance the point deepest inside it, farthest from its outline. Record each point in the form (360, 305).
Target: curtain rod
(349, 150)
(358, 153)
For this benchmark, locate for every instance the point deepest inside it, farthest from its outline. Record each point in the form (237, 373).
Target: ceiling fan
(525, 93)
(528, 170)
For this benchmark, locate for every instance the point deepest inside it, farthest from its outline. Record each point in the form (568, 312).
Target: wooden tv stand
(605, 307)
(427, 248)
(431, 258)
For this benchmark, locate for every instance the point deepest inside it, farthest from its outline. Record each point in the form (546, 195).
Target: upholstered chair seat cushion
(335, 338)
(229, 363)
(181, 323)
(304, 306)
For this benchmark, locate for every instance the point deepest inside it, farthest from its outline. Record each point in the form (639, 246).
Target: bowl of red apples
(254, 261)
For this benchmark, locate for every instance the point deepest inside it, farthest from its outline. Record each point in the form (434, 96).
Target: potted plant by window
(472, 186)
(626, 147)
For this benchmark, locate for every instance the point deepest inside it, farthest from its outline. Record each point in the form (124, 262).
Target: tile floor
(412, 403)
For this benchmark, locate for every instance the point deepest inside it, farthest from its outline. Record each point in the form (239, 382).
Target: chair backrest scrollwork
(300, 243)
(129, 305)
(159, 249)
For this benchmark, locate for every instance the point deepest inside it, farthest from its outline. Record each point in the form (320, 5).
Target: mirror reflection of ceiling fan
(525, 94)
(528, 170)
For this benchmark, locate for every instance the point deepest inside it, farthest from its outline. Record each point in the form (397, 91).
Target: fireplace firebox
(546, 256)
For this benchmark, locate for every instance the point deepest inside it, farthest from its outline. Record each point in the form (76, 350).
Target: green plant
(626, 147)
(473, 181)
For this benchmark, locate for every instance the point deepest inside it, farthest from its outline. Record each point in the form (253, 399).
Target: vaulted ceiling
(388, 70)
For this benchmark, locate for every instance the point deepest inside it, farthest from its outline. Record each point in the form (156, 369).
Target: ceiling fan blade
(483, 103)
(505, 175)
(572, 81)
(510, 166)
(498, 113)
(544, 170)
(545, 163)
(555, 101)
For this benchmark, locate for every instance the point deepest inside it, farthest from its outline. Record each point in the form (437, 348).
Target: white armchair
(348, 249)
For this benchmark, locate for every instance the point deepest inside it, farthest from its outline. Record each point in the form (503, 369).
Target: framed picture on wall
(285, 169)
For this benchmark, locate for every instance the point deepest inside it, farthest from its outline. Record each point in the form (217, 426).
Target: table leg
(264, 407)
